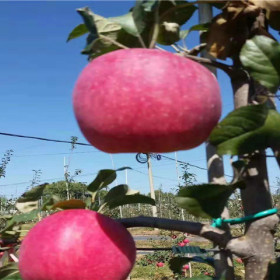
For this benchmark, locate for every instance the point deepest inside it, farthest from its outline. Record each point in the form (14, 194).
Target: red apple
(146, 100)
(77, 244)
(160, 264)
(181, 244)
(173, 236)
(186, 267)
(239, 260)
(186, 241)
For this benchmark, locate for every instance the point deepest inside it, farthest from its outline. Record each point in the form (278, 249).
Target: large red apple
(77, 245)
(146, 100)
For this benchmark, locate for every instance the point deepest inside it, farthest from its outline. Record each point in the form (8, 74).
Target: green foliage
(10, 271)
(247, 129)
(77, 190)
(207, 200)
(134, 29)
(117, 196)
(156, 256)
(261, 57)
(121, 195)
(188, 177)
(4, 162)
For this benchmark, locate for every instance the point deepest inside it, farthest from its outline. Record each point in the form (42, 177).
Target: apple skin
(146, 100)
(77, 244)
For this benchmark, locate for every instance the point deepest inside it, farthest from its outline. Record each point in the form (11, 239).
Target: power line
(54, 154)
(43, 139)
(192, 165)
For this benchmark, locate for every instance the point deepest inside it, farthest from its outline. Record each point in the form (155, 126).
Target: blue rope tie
(220, 221)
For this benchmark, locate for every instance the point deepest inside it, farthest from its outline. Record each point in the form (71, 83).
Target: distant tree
(187, 177)
(5, 160)
(77, 190)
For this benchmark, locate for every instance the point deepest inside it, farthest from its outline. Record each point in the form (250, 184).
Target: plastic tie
(219, 221)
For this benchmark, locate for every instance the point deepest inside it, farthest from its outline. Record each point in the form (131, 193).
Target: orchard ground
(146, 268)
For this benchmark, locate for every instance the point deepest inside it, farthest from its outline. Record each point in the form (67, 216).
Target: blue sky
(37, 73)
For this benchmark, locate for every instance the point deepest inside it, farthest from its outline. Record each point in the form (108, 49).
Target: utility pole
(116, 183)
(151, 181)
(66, 178)
(178, 179)
(223, 260)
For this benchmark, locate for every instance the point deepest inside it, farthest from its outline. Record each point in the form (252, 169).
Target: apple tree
(131, 71)
(240, 37)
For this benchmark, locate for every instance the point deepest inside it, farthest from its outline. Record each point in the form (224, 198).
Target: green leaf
(246, 130)
(70, 204)
(127, 23)
(104, 178)
(261, 57)
(197, 27)
(98, 25)
(180, 13)
(142, 13)
(50, 202)
(78, 31)
(239, 122)
(118, 191)
(207, 200)
(21, 218)
(10, 270)
(120, 200)
(13, 277)
(88, 17)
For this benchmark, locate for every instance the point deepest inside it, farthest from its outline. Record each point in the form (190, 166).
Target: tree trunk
(215, 166)
(256, 197)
